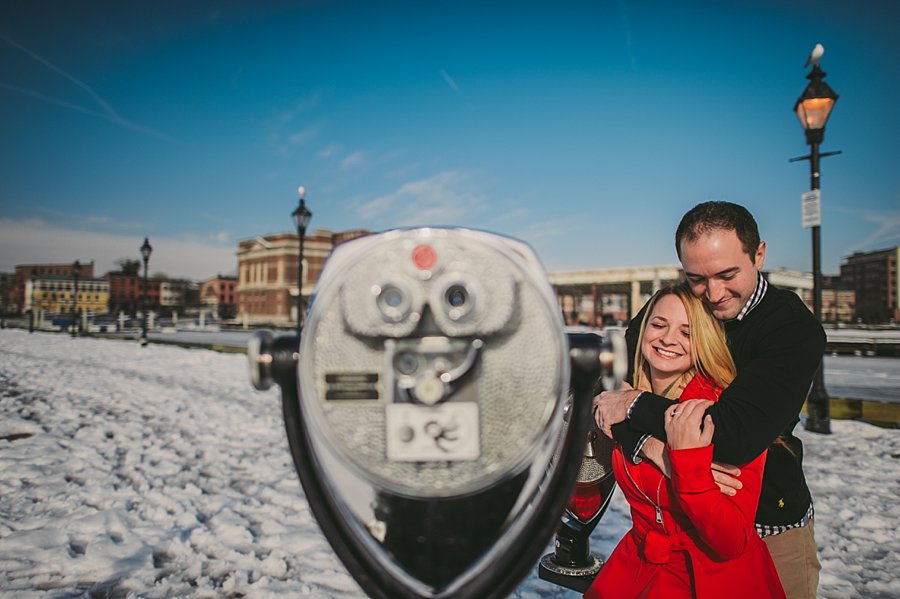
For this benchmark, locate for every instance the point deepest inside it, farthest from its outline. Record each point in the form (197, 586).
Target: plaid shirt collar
(761, 286)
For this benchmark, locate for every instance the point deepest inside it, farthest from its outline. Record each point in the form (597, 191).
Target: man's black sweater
(777, 348)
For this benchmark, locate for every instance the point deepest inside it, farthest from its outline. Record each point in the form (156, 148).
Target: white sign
(445, 432)
(811, 205)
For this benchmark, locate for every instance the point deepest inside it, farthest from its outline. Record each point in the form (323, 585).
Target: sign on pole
(811, 205)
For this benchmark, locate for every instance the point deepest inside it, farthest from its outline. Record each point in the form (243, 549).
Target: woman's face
(667, 340)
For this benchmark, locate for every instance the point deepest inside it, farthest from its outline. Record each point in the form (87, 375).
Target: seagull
(815, 55)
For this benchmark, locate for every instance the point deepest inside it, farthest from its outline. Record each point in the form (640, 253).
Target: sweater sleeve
(724, 523)
(768, 393)
(776, 361)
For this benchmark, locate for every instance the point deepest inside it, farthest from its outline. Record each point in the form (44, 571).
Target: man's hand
(611, 407)
(726, 476)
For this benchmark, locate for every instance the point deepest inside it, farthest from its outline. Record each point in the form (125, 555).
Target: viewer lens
(393, 302)
(457, 296)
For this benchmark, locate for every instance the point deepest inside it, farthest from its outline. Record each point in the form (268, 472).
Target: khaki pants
(794, 554)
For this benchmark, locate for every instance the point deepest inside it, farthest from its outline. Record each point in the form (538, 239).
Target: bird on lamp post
(814, 56)
(813, 108)
(301, 216)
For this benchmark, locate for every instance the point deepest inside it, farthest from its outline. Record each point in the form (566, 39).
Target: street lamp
(302, 216)
(31, 320)
(76, 270)
(813, 108)
(146, 250)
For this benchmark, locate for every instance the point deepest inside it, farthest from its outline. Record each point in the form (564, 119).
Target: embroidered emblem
(781, 502)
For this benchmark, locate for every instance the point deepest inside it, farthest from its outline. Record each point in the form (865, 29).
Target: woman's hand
(686, 427)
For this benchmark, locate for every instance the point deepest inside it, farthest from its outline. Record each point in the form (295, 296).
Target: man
(777, 345)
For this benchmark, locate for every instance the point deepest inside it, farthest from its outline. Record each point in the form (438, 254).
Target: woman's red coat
(707, 544)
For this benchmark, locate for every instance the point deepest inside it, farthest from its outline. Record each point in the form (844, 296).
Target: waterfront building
(267, 286)
(873, 276)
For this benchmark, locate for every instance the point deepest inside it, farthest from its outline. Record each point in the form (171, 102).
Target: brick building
(124, 292)
(873, 276)
(218, 294)
(838, 302)
(266, 289)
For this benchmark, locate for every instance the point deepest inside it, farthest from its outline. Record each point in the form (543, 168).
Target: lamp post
(76, 271)
(146, 250)
(813, 108)
(302, 216)
(31, 320)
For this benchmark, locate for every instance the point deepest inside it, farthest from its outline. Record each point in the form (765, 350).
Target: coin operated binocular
(436, 410)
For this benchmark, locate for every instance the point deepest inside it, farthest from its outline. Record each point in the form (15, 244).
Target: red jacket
(705, 545)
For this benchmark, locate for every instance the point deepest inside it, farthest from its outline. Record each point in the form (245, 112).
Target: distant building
(63, 294)
(124, 293)
(604, 296)
(218, 294)
(18, 304)
(7, 306)
(267, 284)
(873, 276)
(178, 294)
(838, 303)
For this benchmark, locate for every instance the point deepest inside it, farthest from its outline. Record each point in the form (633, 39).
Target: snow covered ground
(159, 472)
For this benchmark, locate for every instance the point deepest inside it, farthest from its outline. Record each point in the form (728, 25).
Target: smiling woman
(666, 343)
(679, 340)
(687, 538)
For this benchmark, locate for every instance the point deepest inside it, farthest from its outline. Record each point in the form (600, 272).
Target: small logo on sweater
(781, 502)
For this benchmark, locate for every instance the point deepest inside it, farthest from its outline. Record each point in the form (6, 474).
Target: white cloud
(35, 241)
(887, 231)
(353, 160)
(302, 136)
(329, 151)
(282, 133)
(450, 81)
(300, 105)
(446, 198)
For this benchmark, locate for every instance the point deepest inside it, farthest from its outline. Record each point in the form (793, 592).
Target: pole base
(818, 418)
(573, 578)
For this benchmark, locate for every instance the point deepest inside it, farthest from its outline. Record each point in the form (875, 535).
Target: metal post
(144, 303)
(818, 417)
(146, 250)
(300, 285)
(76, 269)
(31, 317)
(301, 216)
(813, 108)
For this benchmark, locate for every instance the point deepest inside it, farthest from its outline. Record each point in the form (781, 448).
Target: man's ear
(760, 257)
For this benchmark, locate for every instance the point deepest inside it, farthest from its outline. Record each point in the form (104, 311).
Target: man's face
(720, 272)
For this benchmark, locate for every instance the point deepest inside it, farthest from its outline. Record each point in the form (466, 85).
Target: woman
(687, 539)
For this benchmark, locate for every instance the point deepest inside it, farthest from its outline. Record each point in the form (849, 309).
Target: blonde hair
(709, 349)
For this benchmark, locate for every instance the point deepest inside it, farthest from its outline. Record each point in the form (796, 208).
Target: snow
(159, 472)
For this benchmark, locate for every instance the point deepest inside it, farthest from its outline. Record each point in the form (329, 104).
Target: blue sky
(584, 128)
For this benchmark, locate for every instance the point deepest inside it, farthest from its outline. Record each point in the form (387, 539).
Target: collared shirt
(761, 286)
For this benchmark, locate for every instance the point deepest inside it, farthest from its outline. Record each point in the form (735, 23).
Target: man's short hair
(709, 216)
